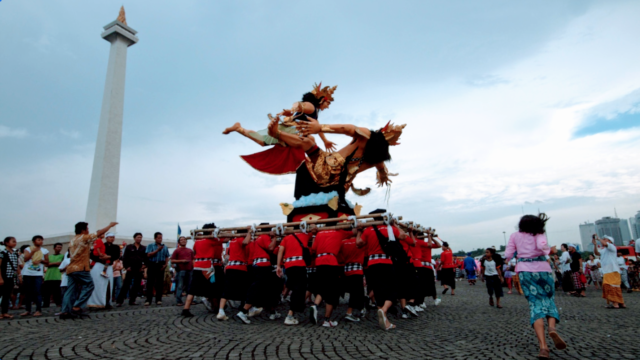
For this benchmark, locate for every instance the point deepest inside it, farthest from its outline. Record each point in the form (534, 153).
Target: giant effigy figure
(322, 176)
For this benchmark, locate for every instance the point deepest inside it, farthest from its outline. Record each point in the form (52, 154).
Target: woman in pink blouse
(529, 246)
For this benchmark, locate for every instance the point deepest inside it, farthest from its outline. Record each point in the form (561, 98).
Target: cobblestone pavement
(464, 326)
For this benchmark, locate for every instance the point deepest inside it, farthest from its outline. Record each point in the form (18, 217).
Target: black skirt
(200, 285)
(236, 285)
(448, 277)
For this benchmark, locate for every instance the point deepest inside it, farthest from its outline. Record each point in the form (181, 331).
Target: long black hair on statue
(377, 149)
(309, 97)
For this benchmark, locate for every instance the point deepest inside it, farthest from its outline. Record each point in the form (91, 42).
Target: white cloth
(63, 266)
(490, 268)
(621, 263)
(34, 270)
(564, 266)
(608, 259)
(98, 298)
(592, 263)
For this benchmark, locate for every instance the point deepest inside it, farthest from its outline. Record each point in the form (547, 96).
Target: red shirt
(447, 259)
(99, 245)
(237, 252)
(292, 249)
(259, 250)
(426, 251)
(350, 254)
(373, 245)
(416, 254)
(217, 253)
(183, 253)
(204, 250)
(329, 241)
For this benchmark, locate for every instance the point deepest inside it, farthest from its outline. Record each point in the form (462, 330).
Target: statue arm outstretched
(313, 127)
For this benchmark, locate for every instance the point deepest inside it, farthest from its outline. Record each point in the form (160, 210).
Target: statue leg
(293, 140)
(246, 133)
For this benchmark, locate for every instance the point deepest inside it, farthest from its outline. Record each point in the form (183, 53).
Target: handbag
(306, 254)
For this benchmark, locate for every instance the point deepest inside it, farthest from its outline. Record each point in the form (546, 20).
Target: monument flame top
(122, 17)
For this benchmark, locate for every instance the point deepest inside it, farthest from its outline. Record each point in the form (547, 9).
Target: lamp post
(504, 233)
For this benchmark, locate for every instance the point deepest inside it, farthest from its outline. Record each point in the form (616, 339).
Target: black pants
(329, 283)
(235, 285)
(51, 288)
(257, 294)
(406, 281)
(5, 291)
(354, 285)
(382, 282)
(448, 277)
(297, 283)
(567, 281)
(421, 289)
(155, 280)
(131, 286)
(494, 285)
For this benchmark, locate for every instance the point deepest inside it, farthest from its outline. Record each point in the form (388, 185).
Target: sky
(511, 108)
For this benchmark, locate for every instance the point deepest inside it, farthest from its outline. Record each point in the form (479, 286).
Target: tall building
(586, 232)
(610, 226)
(636, 225)
(632, 225)
(626, 232)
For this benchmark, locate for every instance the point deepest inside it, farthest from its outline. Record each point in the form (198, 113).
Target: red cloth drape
(278, 160)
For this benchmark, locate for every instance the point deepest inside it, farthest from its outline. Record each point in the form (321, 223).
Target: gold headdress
(392, 133)
(326, 92)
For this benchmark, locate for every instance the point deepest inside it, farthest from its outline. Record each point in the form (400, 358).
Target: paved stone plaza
(464, 326)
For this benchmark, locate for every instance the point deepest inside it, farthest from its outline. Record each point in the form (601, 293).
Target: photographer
(157, 257)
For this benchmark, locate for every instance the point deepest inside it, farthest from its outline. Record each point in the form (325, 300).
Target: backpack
(393, 249)
(306, 254)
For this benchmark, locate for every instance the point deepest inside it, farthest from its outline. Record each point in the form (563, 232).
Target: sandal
(490, 301)
(25, 314)
(543, 354)
(37, 313)
(390, 327)
(499, 306)
(557, 340)
(7, 316)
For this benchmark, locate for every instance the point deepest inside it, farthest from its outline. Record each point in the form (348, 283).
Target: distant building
(634, 229)
(586, 232)
(626, 232)
(636, 225)
(612, 227)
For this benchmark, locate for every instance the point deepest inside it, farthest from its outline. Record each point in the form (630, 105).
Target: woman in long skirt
(529, 245)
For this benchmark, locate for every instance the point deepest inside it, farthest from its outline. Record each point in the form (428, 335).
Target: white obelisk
(103, 194)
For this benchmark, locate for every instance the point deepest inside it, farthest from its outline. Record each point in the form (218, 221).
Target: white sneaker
(206, 303)
(405, 315)
(423, 305)
(221, 315)
(242, 316)
(437, 301)
(330, 323)
(274, 316)
(350, 317)
(382, 320)
(290, 320)
(313, 314)
(254, 311)
(418, 308)
(363, 313)
(411, 310)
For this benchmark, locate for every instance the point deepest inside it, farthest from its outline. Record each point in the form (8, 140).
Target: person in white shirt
(35, 258)
(611, 280)
(624, 276)
(593, 265)
(492, 275)
(565, 268)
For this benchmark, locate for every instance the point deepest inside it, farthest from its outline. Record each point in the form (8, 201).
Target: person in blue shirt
(157, 259)
(471, 268)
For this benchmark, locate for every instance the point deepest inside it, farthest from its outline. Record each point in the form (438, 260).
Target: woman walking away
(447, 269)
(611, 290)
(530, 247)
(593, 265)
(492, 275)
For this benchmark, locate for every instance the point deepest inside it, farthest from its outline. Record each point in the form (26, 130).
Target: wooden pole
(291, 224)
(288, 231)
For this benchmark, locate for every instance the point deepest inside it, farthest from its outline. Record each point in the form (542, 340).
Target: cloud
(74, 134)
(6, 131)
(486, 81)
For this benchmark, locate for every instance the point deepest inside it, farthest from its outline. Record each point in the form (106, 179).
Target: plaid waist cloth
(577, 283)
(326, 254)
(378, 256)
(352, 267)
(260, 260)
(236, 263)
(293, 258)
(539, 258)
(427, 264)
(311, 270)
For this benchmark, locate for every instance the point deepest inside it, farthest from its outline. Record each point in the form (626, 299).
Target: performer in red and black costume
(236, 276)
(203, 271)
(381, 274)
(353, 283)
(326, 248)
(426, 272)
(447, 269)
(291, 255)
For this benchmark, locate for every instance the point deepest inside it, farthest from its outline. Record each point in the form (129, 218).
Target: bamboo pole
(297, 223)
(288, 231)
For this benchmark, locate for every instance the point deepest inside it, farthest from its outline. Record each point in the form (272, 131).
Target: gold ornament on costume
(326, 92)
(122, 17)
(392, 133)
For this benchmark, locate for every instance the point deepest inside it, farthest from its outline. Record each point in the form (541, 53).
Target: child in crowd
(99, 249)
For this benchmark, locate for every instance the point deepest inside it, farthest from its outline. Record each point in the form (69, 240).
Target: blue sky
(506, 103)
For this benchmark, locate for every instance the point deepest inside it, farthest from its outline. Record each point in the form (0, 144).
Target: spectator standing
(611, 280)
(102, 273)
(52, 278)
(157, 257)
(35, 257)
(576, 271)
(565, 267)
(492, 275)
(133, 260)
(117, 279)
(624, 276)
(594, 266)
(9, 274)
(183, 258)
(79, 283)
